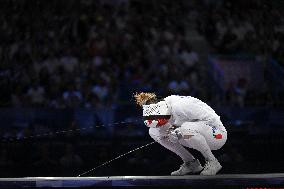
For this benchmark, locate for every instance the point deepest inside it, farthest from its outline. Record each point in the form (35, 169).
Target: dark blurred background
(73, 65)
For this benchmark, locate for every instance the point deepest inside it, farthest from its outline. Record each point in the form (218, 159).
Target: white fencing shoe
(193, 166)
(211, 167)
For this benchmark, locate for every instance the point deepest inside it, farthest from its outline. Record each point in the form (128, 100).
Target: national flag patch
(216, 136)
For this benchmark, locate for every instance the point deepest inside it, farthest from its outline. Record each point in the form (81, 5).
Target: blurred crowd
(255, 27)
(245, 28)
(86, 53)
(78, 54)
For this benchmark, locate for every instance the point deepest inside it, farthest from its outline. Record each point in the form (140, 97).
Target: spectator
(36, 94)
(72, 96)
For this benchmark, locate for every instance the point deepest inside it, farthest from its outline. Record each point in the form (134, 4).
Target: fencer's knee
(187, 130)
(158, 138)
(153, 136)
(192, 139)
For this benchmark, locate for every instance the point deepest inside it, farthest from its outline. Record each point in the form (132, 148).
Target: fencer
(177, 122)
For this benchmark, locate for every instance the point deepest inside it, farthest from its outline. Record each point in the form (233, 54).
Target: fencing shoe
(193, 166)
(211, 167)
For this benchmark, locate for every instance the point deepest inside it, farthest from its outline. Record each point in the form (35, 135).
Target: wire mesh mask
(159, 109)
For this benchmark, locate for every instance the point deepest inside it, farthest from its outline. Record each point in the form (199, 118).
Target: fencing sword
(118, 157)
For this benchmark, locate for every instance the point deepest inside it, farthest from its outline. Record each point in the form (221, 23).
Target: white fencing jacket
(189, 109)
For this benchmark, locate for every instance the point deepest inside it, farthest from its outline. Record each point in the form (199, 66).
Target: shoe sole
(193, 172)
(212, 174)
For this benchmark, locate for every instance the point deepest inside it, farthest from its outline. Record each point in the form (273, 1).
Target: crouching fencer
(177, 122)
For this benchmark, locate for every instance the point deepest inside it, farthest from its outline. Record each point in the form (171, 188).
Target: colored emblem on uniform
(216, 136)
(162, 122)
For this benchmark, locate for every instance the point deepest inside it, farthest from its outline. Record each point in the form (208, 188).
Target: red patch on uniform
(149, 122)
(162, 122)
(218, 136)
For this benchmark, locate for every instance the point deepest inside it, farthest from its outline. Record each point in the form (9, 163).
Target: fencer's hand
(174, 135)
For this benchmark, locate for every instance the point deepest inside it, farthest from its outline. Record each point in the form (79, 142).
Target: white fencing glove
(175, 135)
